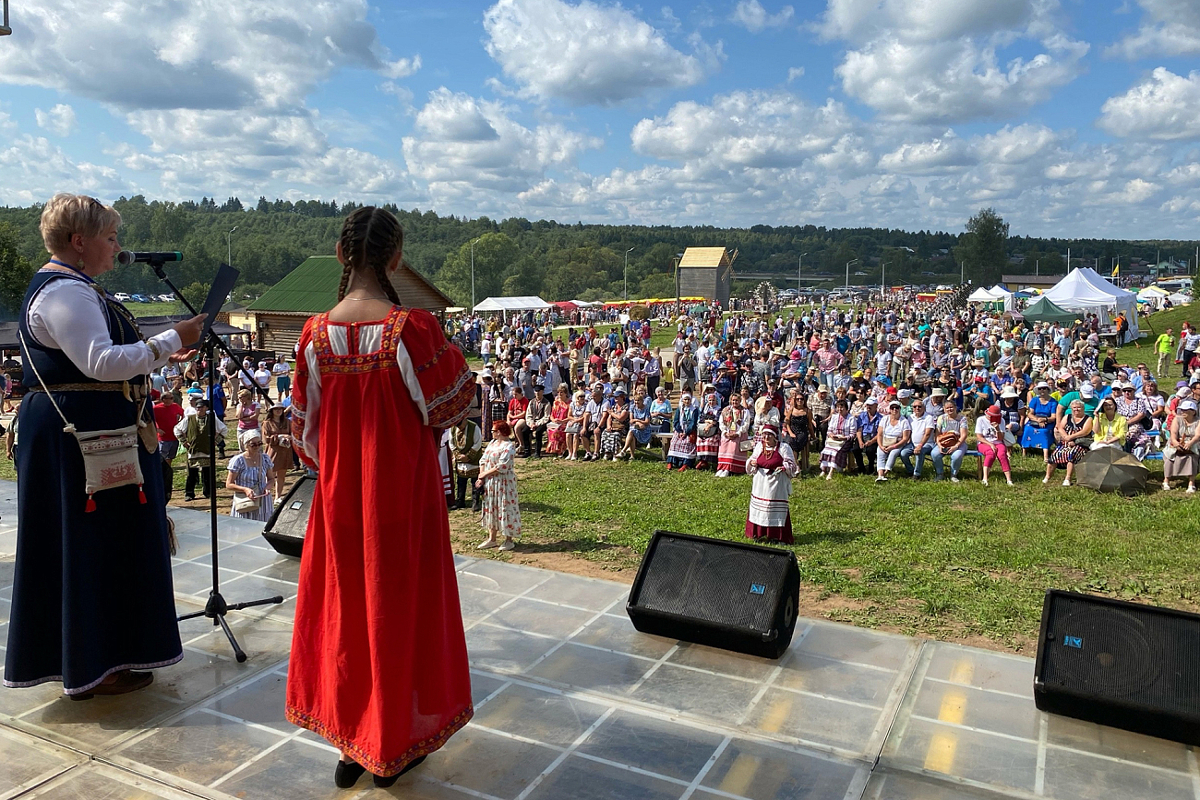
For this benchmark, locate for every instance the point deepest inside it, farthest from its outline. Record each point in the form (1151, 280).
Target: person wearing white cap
(1039, 421)
(895, 431)
(1181, 456)
(772, 465)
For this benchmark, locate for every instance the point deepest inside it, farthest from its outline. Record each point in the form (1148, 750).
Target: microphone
(130, 257)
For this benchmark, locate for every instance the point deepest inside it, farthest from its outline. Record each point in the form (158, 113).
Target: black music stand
(216, 607)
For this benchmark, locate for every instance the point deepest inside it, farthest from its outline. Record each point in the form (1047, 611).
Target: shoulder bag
(110, 457)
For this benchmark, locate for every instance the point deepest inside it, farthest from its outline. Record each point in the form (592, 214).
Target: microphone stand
(216, 607)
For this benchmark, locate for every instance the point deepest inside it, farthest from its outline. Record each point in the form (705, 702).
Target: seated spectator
(1070, 432)
(1108, 429)
(950, 433)
(895, 431)
(990, 441)
(838, 439)
(1181, 456)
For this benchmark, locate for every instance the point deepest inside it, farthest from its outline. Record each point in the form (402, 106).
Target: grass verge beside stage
(951, 561)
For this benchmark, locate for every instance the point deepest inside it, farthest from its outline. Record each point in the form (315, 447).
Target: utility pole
(848, 263)
(229, 246)
(799, 269)
(962, 278)
(476, 239)
(883, 278)
(627, 252)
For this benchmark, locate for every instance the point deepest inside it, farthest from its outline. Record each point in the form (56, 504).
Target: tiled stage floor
(571, 702)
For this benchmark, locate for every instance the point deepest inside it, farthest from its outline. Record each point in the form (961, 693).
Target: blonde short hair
(68, 214)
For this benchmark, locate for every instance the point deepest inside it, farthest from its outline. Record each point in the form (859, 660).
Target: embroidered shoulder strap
(392, 329)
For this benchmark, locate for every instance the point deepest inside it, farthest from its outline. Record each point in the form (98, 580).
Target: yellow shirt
(1108, 429)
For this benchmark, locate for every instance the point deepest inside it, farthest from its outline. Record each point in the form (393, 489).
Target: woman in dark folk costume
(92, 599)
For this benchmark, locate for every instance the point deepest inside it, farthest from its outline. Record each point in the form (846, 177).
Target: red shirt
(166, 418)
(517, 406)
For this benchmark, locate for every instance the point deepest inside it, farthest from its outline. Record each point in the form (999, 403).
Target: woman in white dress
(773, 466)
(501, 511)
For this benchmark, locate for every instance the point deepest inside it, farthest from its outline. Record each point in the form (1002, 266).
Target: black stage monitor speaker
(723, 594)
(1122, 664)
(287, 526)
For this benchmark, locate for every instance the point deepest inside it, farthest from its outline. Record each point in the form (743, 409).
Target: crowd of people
(892, 387)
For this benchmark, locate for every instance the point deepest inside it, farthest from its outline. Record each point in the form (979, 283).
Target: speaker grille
(1141, 656)
(714, 584)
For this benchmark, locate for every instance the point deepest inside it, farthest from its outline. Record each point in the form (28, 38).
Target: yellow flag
(1116, 270)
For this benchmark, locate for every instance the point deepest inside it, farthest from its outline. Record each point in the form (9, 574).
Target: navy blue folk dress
(92, 593)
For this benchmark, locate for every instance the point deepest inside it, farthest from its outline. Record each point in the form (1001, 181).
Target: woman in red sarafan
(379, 660)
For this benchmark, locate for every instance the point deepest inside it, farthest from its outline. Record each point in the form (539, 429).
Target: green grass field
(154, 309)
(934, 559)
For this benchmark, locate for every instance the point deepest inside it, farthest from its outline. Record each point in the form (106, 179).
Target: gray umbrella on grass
(1112, 470)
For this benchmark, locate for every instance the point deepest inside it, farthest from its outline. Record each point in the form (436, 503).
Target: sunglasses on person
(253, 444)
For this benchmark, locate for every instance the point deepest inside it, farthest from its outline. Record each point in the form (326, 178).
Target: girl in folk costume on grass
(682, 453)
(498, 479)
(379, 660)
(773, 466)
(735, 424)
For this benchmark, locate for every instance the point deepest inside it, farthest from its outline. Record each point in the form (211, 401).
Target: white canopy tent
(1152, 296)
(1083, 290)
(982, 295)
(506, 304)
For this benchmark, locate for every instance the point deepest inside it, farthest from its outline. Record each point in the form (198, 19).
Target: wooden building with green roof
(311, 288)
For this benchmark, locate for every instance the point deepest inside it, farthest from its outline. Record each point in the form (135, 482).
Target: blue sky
(1070, 118)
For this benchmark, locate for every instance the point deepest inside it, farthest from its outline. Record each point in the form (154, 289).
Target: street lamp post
(229, 246)
(799, 269)
(883, 279)
(627, 252)
(848, 265)
(476, 239)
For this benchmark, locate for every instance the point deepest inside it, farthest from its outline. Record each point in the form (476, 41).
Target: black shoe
(384, 783)
(345, 775)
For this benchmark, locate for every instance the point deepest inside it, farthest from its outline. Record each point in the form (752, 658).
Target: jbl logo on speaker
(1073, 641)
(758, 588)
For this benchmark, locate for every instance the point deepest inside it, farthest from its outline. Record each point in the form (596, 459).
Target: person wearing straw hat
(772, 465)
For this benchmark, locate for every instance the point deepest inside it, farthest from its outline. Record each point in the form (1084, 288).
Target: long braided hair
(370, 237)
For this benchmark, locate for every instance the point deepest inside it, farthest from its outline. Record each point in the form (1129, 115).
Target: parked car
(166, 298)
(121, 297)
(141, 298)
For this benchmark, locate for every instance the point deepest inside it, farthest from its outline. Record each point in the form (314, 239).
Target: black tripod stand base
(216, 608)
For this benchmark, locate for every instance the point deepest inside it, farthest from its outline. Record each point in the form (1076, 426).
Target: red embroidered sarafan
(379, 660)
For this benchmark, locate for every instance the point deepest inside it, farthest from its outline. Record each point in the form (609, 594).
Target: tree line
(558, 261)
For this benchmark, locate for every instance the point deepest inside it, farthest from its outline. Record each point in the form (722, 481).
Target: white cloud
(1161, 107)
(935, 156)
(59, 120)
(751, 15)
(923, 20)
(34, 169)
(1168, 28)
(588, 53)
(463, 147)
(795, 73)
(269, 54)
(743, 129)
(941, 60)
(222, 102)
(954, 80)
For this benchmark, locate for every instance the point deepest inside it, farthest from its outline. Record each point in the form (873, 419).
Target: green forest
(555, 260)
